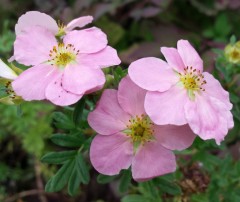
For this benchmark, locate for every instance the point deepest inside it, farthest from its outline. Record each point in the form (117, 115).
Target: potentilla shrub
(156, 108)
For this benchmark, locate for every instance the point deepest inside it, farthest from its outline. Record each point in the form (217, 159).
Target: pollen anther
(62, 55)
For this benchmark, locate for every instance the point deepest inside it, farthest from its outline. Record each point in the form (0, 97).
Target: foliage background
(136, 28)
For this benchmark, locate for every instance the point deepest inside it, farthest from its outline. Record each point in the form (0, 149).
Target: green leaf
(62, 176)
(66, 140)
(74, 181)
(78, 111)
(82, 168)
(58, 157)
(125, 181)
(104, 179)
(149, 190)
(134, 198)
(168, 187)
(62, 121)
(49, 186)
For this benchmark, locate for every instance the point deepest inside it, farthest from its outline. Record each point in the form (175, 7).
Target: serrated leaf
(58, 157)
(104, 179)
(134, 198)
(78, 111)
(74, 181)
(82, 168)
(62, 176)
(66, 140)
(125, 181)
(62, 121)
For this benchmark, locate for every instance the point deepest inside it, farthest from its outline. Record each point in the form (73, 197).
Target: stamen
(140, 129)
(192, 80)
(63, 55)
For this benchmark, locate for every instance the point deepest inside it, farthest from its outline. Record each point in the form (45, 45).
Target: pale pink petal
(152, 160)
(152, 74)
(97, 88)
(78, 78)
(108, 117)
(58, 96)
(36, 18)
(167, 107)
(110, 154)
(33, 46)
(214, 89)
(208, 117)
(174, 137)
(89, 40)
(79, 22)
(131, 97)
(173, 58)
(31, 84)
(189, 55)
(104, 58)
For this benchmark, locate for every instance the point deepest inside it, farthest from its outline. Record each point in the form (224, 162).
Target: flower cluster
(65, 63)
(158, 107)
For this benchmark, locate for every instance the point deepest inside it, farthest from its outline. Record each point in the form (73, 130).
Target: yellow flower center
(62, 55)
(140, 129)
(192, 80)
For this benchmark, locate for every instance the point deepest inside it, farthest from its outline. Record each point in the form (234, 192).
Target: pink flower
(179, 92)
(36, 18)
(127, 137)
(63, 71)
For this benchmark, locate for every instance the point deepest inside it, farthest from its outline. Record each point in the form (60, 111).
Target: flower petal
(189, 55)
(174, 137)
(173, 58)
(208, 117)
(31, 84)
(58, 96)
(167, 107)
(152, 160)
(79, 22)
(214, 89)
(89, 40)
(152, 74)
(33, 46)
(6, 72)
(36, 18)
(104, 58)
(110, 154)
(131, 97)
(108, 117)
(78, 78)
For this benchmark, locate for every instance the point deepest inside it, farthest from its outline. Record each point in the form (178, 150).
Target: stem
(39, 182)
(24, 194)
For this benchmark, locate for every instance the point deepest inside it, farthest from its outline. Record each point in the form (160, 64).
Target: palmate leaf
(74, 171)
(125, 181)
(58, 181)
(78, 111)
(62, 121)
(104, 179)
(66, 140)
(58, 157)
(79, 174)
